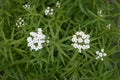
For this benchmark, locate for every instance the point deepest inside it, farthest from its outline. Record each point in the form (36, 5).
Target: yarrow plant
(100, 54)
(35, 42)
(26, 6)
(26, 54)
(81, 41)
(48, 11)
(20, 22)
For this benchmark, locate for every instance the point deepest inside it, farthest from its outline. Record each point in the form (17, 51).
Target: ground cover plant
(60, 40)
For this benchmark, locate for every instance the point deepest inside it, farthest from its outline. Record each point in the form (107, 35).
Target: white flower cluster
(48, 11)
(58, 4)
(20, 22)
(100, 54)
(26, 6)
(81, 41)
(35, 42)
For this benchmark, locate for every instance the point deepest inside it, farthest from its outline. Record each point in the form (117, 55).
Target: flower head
(35, 42)
(26, 6)
(20, 22)
(81, 41)
(48, 11)
(100, 54)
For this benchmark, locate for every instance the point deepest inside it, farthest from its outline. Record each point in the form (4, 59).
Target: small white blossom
(47, 41)
(100, 13)
(81, 33)
(29, 39)
(48, 11)
(74, 39)
(81, 41)
(100, 54)
(20, 22)
(102, 50)
(109, 26)
(75, 45)
(84, 36)
(58, 4)
(34, 34)
(97, 52)
(87, 36)
(36, 40)
(79, 47)
(87, 46)
(86, 41)
(26, 6)
(77, 33)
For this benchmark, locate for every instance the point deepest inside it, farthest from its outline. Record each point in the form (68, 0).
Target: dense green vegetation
(58, 59)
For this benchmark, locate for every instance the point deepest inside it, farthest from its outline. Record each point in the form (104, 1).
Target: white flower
(34, 34)
(104, 54)
(35, 42)
(81, 41)
(48, 11)
(75, 45)
(58, 4)
(83, 36)
(81, 33)
(26, 6)
(29, 39)
(87, 36)
(109, 26)
(79, 47)
(74, 39)
(86, 41)
(47, 41)
(87, 46)
(97, 52)
(102, 50)
(39, 31)
(100, 54)
(77, 33)
(100, 13)
(20, 22)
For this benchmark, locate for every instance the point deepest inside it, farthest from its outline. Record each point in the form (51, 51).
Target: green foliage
(58, 60)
